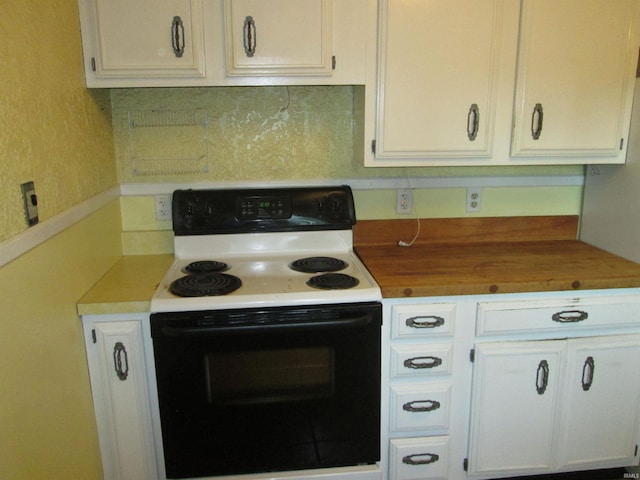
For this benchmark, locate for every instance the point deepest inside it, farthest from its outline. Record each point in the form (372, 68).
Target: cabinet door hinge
(93, 335)
(333, 62)
(472, 355)
(465, 464)
(373, 146)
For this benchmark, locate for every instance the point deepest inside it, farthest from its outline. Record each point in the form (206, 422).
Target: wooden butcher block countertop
(486, 255)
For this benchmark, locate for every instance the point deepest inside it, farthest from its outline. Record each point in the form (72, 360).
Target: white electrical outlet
(474, 199)
(163, 207)
(404, 202)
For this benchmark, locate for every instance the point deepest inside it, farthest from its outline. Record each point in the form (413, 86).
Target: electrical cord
(402, 243)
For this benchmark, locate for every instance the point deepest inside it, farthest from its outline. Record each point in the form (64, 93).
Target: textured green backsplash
(255, 134)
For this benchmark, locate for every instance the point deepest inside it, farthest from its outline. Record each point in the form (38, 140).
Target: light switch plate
(30, 201)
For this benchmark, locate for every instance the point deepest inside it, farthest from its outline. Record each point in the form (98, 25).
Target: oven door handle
(211, 330)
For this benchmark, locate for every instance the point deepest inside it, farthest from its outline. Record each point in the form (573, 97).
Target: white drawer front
(424, 458)
(418, 407)
(421, 359)
(557, 314)
(422, 320)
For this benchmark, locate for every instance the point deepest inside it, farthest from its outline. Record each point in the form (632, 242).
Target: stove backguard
(205, 212)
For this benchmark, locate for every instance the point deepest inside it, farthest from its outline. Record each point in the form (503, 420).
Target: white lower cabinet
(492, 386)
(599, 410)
(515, 402)
(558, 405)
(556, 385)
(418, 366)
(117, 367)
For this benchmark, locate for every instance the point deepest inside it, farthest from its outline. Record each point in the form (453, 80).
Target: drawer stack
(419, 390)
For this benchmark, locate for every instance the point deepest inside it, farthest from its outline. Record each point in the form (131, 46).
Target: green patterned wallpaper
(254, 134)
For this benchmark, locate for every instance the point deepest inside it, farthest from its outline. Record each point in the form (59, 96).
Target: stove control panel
(206, 212)
(265, 207)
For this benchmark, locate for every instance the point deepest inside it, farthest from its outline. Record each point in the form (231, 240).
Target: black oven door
(260, 390)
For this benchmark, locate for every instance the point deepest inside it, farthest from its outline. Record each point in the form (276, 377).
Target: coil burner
(333, 281)
(205, 285)
(206, 266)
(318, 265)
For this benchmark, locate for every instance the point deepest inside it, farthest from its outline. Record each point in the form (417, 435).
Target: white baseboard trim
(23, 242)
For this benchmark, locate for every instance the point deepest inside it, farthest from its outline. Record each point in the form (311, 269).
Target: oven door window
(269, 376)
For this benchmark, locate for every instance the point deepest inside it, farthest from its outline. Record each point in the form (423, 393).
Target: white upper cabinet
(438, 77)
(495, 82)
(279, 37)
(142, 39)
(181, 43)
(575, 79)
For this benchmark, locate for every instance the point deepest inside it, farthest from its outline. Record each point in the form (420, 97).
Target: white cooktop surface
(261, 262)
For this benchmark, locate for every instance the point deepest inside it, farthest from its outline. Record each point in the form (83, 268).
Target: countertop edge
(127, 287)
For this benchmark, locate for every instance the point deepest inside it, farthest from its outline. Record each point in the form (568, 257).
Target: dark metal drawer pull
(588, 369)
(424, 321)
(473, 122)
(542, 377)
(177, 37)
(250, 37)
(423, 362)
(536, 121)
(416, 460)
(570, 316)
(430, 405)
(120, 354)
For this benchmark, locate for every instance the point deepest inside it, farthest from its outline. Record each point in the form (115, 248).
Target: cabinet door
(600, 409)
(514, 403)
(437, 80)
(121, 400)
(574, 78)
(146, 38)
(279, 37)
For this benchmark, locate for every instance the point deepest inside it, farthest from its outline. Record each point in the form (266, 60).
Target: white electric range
(266, 337)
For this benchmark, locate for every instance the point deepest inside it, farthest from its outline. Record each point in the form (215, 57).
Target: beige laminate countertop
(127, 287)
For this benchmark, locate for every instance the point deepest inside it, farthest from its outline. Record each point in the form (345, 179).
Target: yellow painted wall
(451, 202)
(57, 133)
(47, 425)
(52, 129)
(143, 234)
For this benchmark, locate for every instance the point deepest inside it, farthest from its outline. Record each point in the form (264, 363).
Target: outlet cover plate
(30, 202)
(474, 199)
(163, 207)
(404, 201)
